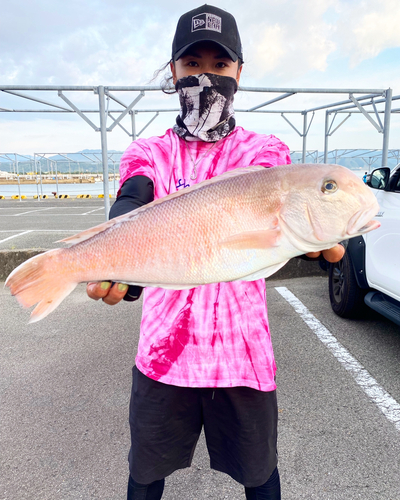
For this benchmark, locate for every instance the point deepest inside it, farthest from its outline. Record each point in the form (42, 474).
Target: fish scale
(244, 224)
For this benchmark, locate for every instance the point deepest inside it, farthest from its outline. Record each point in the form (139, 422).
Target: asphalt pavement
(65, 385)
(39, 224)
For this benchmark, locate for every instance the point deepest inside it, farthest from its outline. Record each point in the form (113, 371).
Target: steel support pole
(326, 136)
(19, 183)
(386, 127)
(303, 157)
(57, 195)
(133, 118)
(104, 152)
(41, 180)
(128, 108)
(115, 192)
(35, 170)
(147, 124)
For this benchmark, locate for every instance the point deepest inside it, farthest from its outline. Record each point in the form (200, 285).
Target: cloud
(285, 41)
(367, 28)
(268, 48)
(292, 39)
(83, 43)
(291, 43)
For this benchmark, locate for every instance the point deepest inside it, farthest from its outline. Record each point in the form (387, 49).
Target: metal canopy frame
(106, 95)
(368, 156)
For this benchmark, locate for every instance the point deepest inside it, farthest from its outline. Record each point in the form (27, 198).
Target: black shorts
(240, 426)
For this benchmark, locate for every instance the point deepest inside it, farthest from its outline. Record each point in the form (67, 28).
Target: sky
(288, 44)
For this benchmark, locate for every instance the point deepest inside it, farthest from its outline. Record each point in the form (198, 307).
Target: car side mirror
(379, 178)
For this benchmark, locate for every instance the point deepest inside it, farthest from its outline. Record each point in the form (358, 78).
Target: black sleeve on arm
(135, 192)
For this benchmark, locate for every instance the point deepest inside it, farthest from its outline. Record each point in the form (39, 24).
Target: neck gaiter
(206, 107)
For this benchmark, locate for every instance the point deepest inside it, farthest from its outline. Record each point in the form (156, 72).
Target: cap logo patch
(206, 21)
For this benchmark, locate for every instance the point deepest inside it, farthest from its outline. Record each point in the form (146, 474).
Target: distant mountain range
(78, 156)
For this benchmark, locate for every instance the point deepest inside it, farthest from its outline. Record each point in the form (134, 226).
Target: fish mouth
(362, 223)
(369, 226)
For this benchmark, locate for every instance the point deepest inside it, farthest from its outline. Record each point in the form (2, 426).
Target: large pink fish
(243, 225)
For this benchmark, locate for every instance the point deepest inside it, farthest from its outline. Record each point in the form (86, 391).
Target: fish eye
(329, 187)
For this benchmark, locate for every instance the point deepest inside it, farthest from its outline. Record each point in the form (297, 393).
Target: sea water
(30, 190)
(92, 188)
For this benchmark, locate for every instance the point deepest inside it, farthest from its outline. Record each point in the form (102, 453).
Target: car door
(383, 244)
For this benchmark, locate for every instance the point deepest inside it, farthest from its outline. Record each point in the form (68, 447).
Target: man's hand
(331, 255)
(103, 290)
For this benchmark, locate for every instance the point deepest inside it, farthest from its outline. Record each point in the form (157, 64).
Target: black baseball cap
(207, 23)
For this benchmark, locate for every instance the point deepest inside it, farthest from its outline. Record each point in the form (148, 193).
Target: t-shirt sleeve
(137, 160)
(273, 152)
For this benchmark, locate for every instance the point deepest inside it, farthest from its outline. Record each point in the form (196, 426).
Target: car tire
(347, 298)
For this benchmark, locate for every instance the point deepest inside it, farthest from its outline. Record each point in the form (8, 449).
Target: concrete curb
(10, 259)
(295, 268)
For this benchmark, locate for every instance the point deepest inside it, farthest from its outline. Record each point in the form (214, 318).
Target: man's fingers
(313, 255)
(334, 254)
(116, 294)
(111, 295)
(98, 290)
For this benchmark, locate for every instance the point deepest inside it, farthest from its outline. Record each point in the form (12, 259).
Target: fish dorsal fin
(214, 180)
(89, 233)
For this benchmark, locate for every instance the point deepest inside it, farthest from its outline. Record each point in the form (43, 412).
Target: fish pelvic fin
(254, 239)
(36, 282)
(264, 273)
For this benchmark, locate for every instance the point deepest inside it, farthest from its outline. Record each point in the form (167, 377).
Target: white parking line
(383, 400)
(41, 231)
(16, 236)
(95, 210)
(53, 215)
(31, 211)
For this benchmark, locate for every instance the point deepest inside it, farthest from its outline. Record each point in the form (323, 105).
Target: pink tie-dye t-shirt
(213, 335)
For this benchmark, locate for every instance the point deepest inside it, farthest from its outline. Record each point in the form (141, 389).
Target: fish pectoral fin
(317, 228)
(254, 239)
(264, 273)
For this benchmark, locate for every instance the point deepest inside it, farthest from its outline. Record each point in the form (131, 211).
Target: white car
(369, 273)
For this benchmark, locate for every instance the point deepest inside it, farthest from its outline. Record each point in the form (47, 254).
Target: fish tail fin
(36, 281)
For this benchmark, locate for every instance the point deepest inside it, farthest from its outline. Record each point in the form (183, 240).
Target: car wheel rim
(338, 282)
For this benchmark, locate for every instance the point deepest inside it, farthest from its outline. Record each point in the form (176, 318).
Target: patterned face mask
(206, 107)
